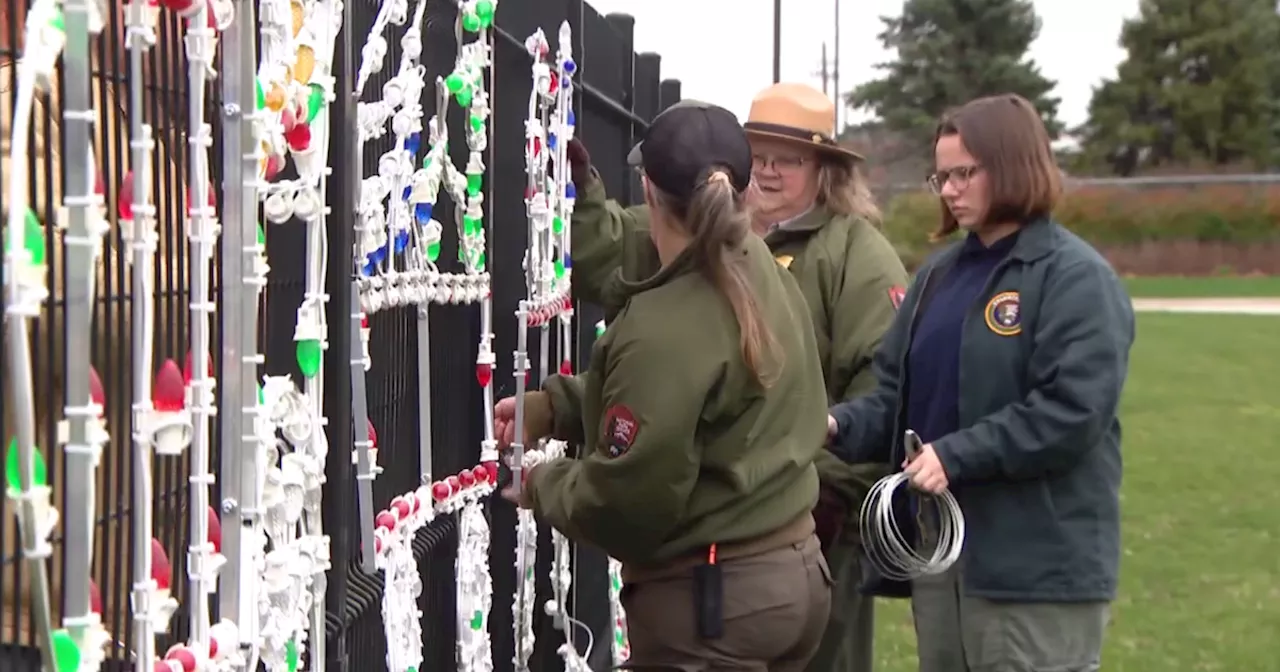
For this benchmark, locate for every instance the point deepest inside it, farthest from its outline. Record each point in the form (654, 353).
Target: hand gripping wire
(888, 547)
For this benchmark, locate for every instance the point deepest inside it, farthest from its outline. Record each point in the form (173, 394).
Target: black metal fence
(618, 92)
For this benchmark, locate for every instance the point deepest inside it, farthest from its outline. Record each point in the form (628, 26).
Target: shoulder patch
(620, 429)
(784, 260)
(896, 294)
(1004, 314)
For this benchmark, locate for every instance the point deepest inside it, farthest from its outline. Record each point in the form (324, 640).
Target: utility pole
(835, 75)
(823, 72)
(777, 41)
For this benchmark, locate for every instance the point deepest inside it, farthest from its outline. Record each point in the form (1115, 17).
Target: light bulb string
(203, 231)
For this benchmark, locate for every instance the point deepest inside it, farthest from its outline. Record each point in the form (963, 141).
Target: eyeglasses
(959, 177)
(778, 164)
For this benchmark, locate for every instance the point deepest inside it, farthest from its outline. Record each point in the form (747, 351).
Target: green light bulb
(469, 224)
(308, 355)
(13, 472)
(557, 225)
(480, 262)
(259, 96)
(474, 182)
(559, 266)
(477, 620)
(426, 161)
(262, 398)
(617, 583)
(291, 655)
(453, 82)
(470, 22)
(484, 12)
(433, 250)
(463, 97)
(32, 237)
(619, 637)
(262, 235)
(66, 655)
(58, 22)
(315, 101)
(477, 124)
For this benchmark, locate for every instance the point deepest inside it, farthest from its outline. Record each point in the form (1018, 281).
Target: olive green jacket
(849, 275)
(682, 447)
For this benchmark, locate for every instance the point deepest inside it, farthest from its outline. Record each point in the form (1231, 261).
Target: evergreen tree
(950, 52)
(1199, 85)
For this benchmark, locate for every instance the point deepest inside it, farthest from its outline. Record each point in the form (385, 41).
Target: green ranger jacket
(682, 448)
(1036, 464)
(850, 277)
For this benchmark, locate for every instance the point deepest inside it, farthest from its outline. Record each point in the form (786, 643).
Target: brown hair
(843, 191)
(717, 219)
(1007, 138)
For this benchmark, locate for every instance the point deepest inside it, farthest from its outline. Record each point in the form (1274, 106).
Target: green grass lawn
(1212, 286)
(1200, 576)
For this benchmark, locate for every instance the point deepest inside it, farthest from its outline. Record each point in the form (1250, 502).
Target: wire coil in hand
(890, 550)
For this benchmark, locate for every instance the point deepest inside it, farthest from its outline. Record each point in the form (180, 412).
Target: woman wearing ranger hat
(700, 416)
(816, 215)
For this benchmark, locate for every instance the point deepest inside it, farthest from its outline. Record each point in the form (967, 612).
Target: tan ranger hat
(799, 113)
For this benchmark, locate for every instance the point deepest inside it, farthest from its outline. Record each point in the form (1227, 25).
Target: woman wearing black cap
(701, 415)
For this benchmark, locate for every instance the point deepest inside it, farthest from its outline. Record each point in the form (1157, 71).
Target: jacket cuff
(947, 450)
(564, 419)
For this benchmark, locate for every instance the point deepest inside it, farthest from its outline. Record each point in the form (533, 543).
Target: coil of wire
(890, 547)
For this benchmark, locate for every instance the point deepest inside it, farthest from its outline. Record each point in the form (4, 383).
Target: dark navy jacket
(1035, 464)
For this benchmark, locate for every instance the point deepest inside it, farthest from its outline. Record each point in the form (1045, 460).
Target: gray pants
(958, 633)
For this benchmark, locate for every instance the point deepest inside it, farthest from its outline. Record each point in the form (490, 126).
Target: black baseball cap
(688, 139)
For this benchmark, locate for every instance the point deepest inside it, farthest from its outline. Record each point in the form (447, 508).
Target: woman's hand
(504, 422)
(926, 471)
(522, 500)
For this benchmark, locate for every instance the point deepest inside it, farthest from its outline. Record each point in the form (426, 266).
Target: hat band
(791, 132)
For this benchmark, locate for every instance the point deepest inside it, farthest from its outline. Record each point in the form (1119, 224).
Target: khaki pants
(958, 633)
(775, 609)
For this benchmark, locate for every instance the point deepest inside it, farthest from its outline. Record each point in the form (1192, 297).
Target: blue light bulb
(569, 65)
(573, 118)
(422, 213)
(404, 195)
(568, 262)
(413, 143)
(570, 191)
(551, 141)
(402, 241)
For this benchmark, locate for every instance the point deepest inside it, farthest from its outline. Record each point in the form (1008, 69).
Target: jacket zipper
(902, 369)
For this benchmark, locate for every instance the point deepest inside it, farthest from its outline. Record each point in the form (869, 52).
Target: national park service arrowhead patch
(620, 430)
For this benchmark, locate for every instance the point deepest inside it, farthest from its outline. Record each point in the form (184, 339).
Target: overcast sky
(722, 50)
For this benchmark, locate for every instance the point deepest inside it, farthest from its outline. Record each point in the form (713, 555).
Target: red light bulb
(492, 468)
(100, 185)
(298, 137)
(187, 369)
(167, 392)
(454, 484)
(213, 199)
(364, 321)
(414, 504)
(484, 374)
(480, 474)
(183, 656)
(528, 378)
(377, 545)
(96, 395)
(466, 478)
(161, 572)
(124, 204)
(440, 491)
(275, 164)
(566, 368)
(386, 520)
(215, 531)
(373, 434)
(95, 597)
(555, 84)
(401, 507)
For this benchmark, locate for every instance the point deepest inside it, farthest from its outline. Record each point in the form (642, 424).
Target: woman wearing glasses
(1008, 359)
(815, 213)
